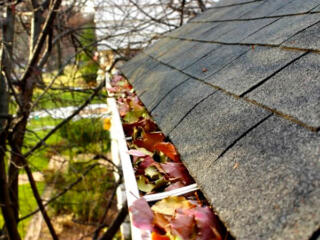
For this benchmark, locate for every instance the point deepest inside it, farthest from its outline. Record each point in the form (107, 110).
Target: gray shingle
(307, 39)
(228, 3)
(242, 29)
(191, 55)
(266, 8)
(211, 127)
(180, 48)
(232, 12)
(215, 60)
(157, 84)
(267, 185)
(252, 68)
(162, 47)
(178, 103)
(131, 66)
(294, 91)
(145, 65)
(296, 6)
(283, 29)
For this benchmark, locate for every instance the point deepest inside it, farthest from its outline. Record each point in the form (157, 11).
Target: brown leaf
(183, 226)
(177, 171)
(168, 206)
(147, 125)
(169, 150)
(149, 140)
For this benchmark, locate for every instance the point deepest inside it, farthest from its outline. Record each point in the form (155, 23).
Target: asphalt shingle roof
(237, 90)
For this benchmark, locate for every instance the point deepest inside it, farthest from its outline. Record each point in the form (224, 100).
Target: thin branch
(62, 192)
(115, 225)
(40, 143)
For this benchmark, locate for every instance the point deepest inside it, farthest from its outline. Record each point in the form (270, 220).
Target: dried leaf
(133, 116)
(168, 149)
(137, 153)
(152, 172)
(144, 185)
(149, 140)
(169, 205)
(156, 236)
(206, 223)
(177, 170)
(161, 221)
(147, 124)
(183, 226)
(142, 216)
(175, 185)
(123, 108)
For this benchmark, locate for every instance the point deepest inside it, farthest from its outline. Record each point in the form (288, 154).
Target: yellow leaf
(169, 205)
(106, 124)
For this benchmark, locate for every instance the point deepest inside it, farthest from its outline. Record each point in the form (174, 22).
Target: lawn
(27, 204)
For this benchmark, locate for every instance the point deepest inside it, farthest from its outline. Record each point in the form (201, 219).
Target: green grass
(57, 99)
(27, 205)
(40, 159)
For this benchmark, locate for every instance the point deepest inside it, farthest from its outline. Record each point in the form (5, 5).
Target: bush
(87, 134)
(87, 200)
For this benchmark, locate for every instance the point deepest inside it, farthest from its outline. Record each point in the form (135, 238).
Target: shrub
(87, 134)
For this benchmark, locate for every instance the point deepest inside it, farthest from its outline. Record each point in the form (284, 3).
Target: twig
(61, 193)
(112, 230)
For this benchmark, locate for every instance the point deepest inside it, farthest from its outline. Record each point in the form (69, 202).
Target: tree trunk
(8, 207)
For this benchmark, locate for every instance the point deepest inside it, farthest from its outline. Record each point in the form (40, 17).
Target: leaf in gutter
(149, 140)
(206, 222)
(169, 205)
(144, 185)
(142, 216)
(162, 221)
(136, 153)
(168, 149)
(123, 108)
(147, 124)
(183, 226)
(133, 116)
(173, 186)
(156, 236)
(177, 170)
(152, 172)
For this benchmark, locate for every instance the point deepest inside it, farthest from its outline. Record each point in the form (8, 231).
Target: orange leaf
(169, 150)
(156, 236)
(149, 140)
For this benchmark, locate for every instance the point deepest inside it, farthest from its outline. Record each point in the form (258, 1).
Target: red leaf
(142, 215)
(147, 162)
(177, 170)
(149, 140)
(156, 236)
(173, 186)
(123, 109)
(206, 223)
(169, 150)
(116, 78)
(147, 125)
(183, 226)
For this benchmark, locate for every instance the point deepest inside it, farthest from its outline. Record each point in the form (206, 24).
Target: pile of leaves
(158, 168)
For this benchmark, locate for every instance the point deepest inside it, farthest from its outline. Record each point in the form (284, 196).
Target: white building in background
(131, 24)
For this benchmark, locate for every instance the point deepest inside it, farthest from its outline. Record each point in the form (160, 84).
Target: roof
(237, 90)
